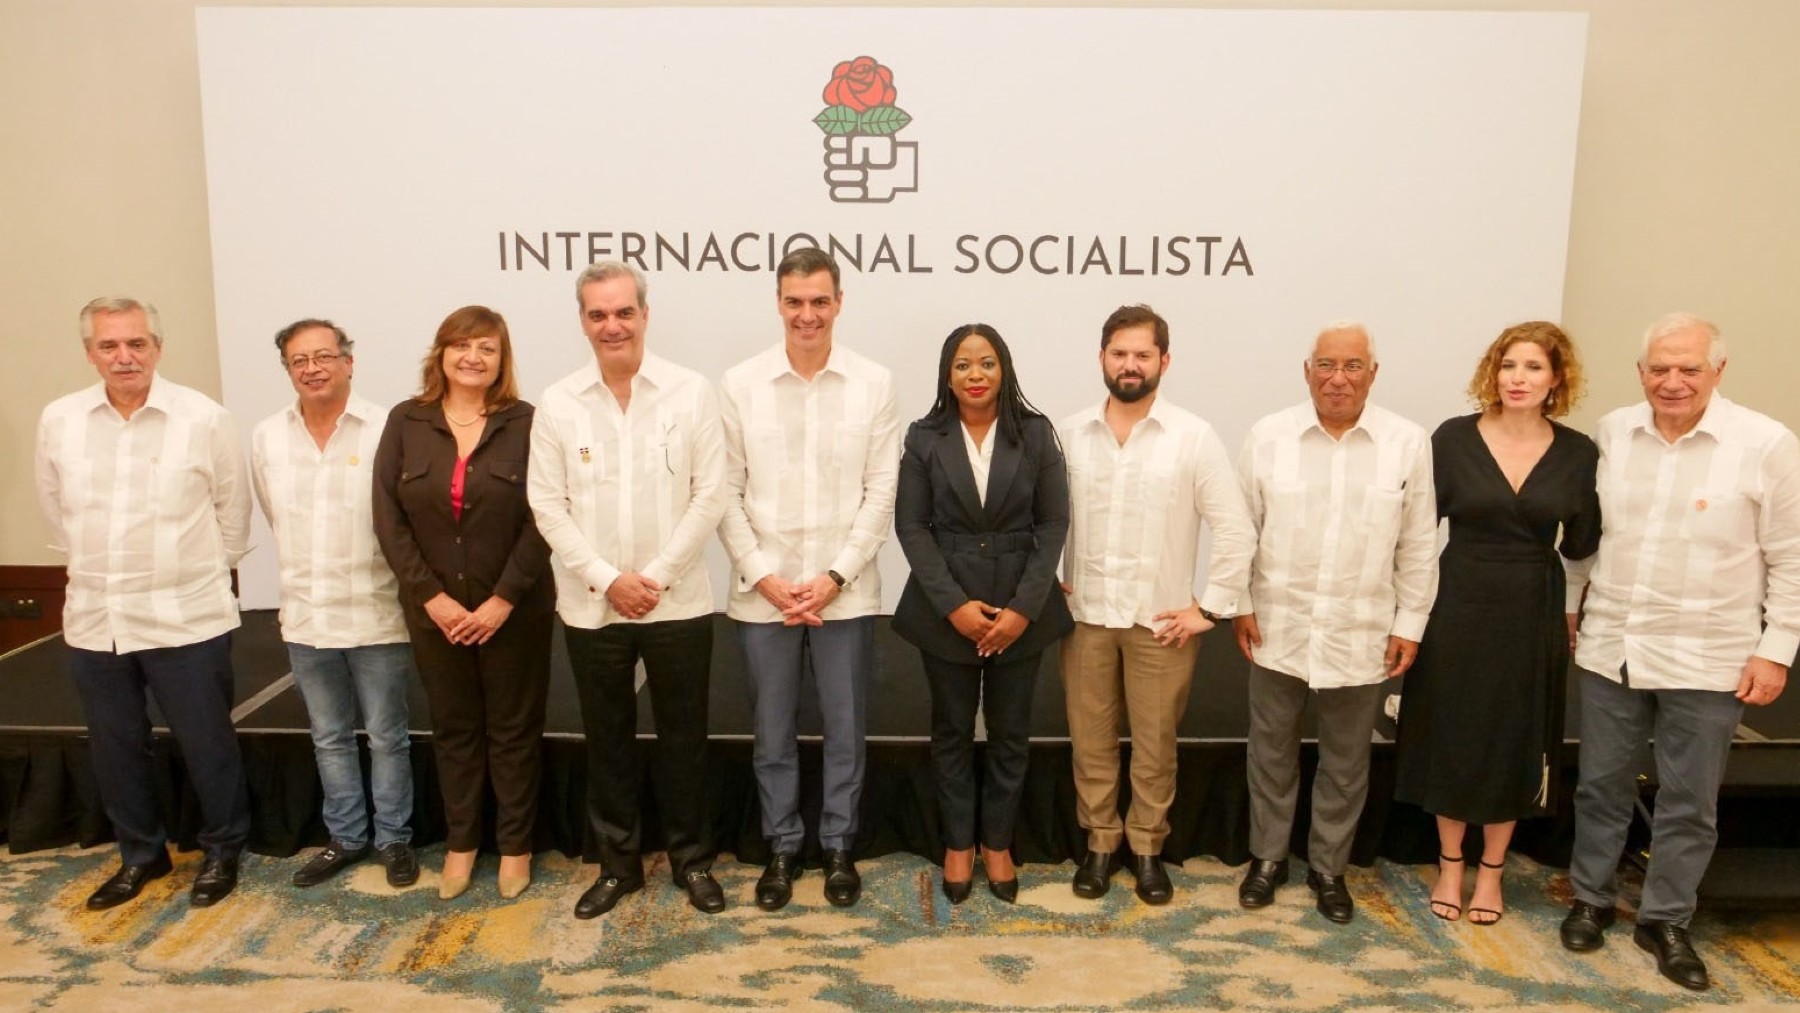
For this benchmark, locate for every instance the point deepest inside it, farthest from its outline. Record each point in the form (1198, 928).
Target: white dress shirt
(981, 458)
(1346, 551)
(1699, 548)
(336, 588)
(1135, 513)
(637, 490)
(811, 471)
(152, 512)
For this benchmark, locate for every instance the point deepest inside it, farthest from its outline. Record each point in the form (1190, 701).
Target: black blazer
(495, 549)
(1004, 554)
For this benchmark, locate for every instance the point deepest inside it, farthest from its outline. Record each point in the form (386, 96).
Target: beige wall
(1684, 195)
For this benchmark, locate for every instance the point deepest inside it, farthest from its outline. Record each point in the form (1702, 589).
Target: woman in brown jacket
(451, 516)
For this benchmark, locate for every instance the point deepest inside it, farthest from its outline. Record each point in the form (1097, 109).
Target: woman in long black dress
(981, 511)
(1481, 718)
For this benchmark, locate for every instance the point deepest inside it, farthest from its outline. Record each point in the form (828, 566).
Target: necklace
(461, 422)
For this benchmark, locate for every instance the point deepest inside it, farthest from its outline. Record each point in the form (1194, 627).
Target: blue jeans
(334, 681)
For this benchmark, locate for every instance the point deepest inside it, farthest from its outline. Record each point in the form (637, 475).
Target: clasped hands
(461, 626)
(633, 595)
(992, 629)
(799, 603)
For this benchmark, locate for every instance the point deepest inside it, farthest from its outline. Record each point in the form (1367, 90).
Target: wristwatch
(836, 578)
(1212, 617)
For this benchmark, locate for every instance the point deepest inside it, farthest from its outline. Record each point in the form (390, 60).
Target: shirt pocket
(1287, 519)
(1381, 515)
(766, 463)
(849, 455)
(180, 484)
(1719, 517)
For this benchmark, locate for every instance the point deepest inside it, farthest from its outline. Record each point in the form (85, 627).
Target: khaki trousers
(1106, 670)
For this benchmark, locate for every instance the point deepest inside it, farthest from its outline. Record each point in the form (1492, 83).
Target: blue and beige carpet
(355, 944)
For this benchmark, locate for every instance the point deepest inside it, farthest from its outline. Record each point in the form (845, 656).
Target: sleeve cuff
(848, 565)
(1409, 625)
(1220, 600)
(1778, 645)
(659, 571)
(600, 575)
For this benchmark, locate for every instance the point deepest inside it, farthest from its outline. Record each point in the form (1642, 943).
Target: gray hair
(607, 270)
(119, 304)
(1345, 325)
(286, 334)
(1675, 323)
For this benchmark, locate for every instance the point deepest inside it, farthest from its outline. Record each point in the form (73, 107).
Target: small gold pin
(586, 458)
(1700, 505)
(355, 460)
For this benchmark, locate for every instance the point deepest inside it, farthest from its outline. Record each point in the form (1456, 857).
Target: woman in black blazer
(451, 517)
(981, 512)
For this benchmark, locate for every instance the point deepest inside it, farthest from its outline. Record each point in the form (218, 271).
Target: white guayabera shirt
(153, 512)
(337, 590)
(1346, 542)
(640, 489)
(811, 468)
(1699, 548)
(1135, 513)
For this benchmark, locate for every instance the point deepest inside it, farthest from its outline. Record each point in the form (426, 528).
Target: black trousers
(193, 686)
(677, 658)
(487, 723)
(956, 689)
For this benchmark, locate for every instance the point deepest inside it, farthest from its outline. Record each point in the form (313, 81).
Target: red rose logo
(860, 84)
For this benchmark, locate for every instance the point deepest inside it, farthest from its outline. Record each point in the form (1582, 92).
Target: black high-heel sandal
(1454, 910)
(1497, 915)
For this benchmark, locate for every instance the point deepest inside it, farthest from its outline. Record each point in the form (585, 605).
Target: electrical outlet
(14, 607)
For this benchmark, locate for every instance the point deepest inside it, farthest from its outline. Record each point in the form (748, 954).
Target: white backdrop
(382, 167)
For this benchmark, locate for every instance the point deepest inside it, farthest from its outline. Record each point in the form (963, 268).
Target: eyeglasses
(323, 360)
(1352, 370)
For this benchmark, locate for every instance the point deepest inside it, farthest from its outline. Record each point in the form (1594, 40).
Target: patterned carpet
(354, 944)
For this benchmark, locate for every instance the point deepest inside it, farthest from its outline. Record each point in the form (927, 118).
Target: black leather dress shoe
(604, 894)
(1093, 877)
(1675, 956)
(1584, 930)
(776, 886)
(218, 877)
(1334, 896)
(842, 882)
(128, 882)
(703, 892)
(1153, 886)
(1260, 881)
(402, 865)
(330, 860)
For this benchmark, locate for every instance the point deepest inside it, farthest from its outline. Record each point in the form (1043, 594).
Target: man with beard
(1143, 474)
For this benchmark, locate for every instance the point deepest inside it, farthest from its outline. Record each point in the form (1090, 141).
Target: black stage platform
(48, 799)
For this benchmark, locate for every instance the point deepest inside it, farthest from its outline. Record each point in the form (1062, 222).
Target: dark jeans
(956, 689)
(193, 688)
(677, 658)
(487, 722)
